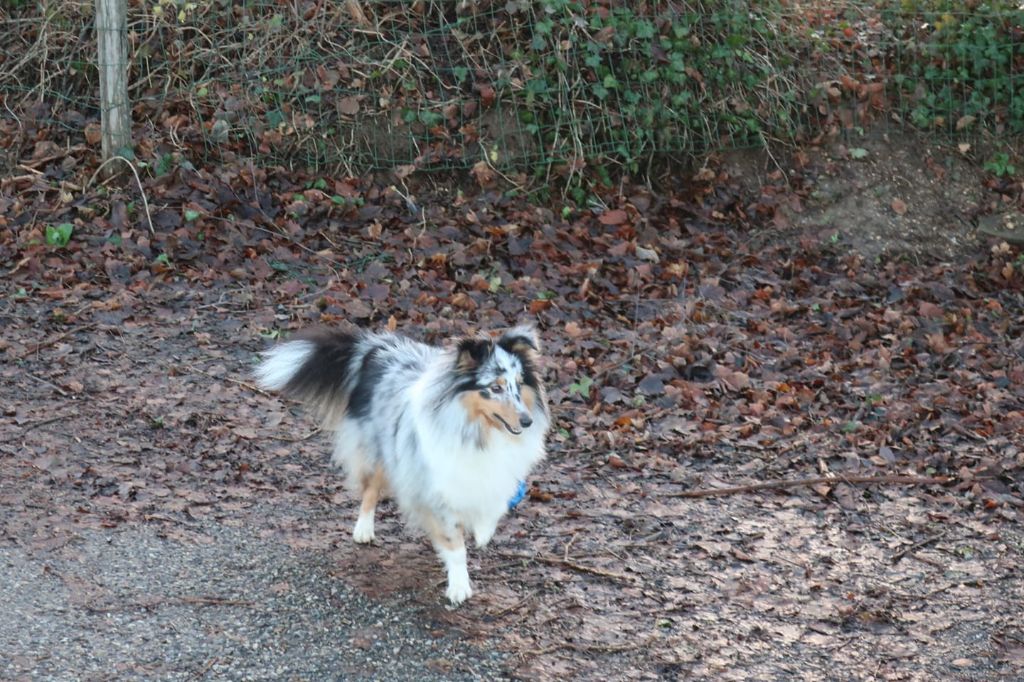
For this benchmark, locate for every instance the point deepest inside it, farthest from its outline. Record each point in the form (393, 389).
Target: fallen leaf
(651, 385)
(484, 174)
(616, 462)
(614, 217)
(349, 105)
(649, 255)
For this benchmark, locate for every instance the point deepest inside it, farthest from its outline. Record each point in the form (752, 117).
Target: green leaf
(60, 235)
(275, 117)
(164, 165)
(431, 118)
(581, 387)
(191, 214)
(858, 152)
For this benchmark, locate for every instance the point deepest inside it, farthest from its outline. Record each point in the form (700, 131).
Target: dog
(449, 433)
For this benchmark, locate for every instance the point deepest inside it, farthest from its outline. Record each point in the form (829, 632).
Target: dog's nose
(525, 420)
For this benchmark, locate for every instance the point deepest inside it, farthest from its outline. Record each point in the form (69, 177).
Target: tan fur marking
(483, 410)
(521, 346)
(476, 405)
(372, 487)
(438, 536)
(529, 398)
(465, 361)
(506, 411)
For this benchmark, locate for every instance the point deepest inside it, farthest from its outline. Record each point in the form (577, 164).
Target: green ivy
(961, 63)
(630, 82)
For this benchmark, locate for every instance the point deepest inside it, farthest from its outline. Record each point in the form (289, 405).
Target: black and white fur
(448, 433)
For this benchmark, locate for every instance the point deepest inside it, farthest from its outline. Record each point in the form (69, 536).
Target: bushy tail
(315, 368)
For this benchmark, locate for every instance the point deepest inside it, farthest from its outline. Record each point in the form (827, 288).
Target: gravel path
(129, 604)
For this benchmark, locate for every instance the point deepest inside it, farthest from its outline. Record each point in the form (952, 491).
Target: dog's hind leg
(451, 547)
(372, 486)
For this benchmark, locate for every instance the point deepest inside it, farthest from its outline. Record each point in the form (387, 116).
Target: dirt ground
(151, 493)
(894, 193)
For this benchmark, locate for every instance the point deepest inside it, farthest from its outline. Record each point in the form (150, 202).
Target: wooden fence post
(112, 60)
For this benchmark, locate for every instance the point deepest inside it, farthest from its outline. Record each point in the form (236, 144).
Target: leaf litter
(687, 351)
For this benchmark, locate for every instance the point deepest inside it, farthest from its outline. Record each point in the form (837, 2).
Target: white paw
(363, 532)
(458, 589)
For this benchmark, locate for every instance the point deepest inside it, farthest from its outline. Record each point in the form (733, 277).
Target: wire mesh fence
(532, 86)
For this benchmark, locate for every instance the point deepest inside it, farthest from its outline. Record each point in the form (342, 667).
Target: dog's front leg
(451, 547)
(372, 487)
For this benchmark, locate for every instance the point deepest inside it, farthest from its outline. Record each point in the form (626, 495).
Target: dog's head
(499, 380)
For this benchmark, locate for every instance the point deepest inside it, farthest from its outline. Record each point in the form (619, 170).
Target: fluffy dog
(448, 433)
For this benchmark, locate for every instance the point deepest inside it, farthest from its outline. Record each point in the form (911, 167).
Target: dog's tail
(319, 368)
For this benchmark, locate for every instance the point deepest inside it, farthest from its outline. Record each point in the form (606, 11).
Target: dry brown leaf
(616, 216)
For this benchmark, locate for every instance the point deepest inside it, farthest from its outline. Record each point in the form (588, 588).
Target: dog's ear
(519, 340)
(472, 352)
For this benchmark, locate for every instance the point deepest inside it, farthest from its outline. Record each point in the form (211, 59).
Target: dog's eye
(497, 388)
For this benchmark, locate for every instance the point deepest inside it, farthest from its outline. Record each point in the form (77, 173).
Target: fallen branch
(245, 384)
(54, 339)
(568, 564)
(138, 182)
(169, 601)
(52, 385)
(916, 546)
(591, 648)
(211, 601)
(797, 483)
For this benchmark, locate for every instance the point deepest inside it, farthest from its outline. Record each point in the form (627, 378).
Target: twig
(926, 560)
(52, 385)
(974, 582)
(45, 343)
(42, 422)
(161, 517)
(214, 660)
(138, 181)
(770, 485)
(300, 439)
(592, 648)
(32, 165)
(568, 546)
(568, 564)
(200, 601)
(916, 546)
(510, 609)
(213, 601)
(16, 179)
(246, 384)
